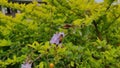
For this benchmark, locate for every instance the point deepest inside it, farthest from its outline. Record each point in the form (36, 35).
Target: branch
(109, 6)
(112, 23)
(97, 31)
(37, 58)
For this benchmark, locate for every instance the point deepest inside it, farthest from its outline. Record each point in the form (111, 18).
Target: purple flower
(26, 65)
(56, 38)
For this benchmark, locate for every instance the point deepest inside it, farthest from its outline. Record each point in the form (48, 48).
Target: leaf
(72, 63)
(5, 43)
(77, 22)
(41, 65)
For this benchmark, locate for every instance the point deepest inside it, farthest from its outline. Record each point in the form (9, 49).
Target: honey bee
(60, 38)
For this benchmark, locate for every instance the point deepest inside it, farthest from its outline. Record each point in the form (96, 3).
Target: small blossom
(26, 65)
(56, 38)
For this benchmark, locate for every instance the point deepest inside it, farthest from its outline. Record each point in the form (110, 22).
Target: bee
(60, 38)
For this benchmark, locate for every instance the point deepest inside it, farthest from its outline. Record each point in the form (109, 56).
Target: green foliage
(93, 41)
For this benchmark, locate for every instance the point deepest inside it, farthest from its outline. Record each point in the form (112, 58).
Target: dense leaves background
(93, 40)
